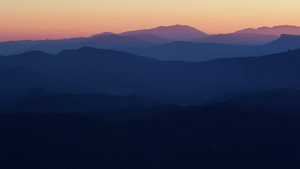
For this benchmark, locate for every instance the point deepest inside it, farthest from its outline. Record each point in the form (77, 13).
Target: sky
(55, 19)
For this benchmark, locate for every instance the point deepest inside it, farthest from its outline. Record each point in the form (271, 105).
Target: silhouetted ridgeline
(175, 32)
(150, 38)
(174, 43)
(54, 46)
(196, 52)
(283, 43)
(276, 30)
(280, 99)
(238, 39)
(124, 41)
(90, 70)
(39, 100)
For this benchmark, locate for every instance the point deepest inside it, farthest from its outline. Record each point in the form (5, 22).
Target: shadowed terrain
(219, 136)
(90, 70)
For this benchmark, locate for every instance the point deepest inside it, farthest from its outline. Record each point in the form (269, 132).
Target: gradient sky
(53, 19)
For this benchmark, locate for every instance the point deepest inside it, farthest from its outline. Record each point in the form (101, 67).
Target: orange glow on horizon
(57, 19)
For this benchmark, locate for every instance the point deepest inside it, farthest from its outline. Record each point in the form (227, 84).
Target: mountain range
(147, 38)
(167, 97)
(141, 44)
(197, 52)
(92, 70)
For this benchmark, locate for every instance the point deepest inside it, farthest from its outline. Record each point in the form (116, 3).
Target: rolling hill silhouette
(285, 42)
(194, 52)
(115, 42)
(19, 79)
(280, 100)
(238, 39)
(277, 99)
(93, 70)
(45, 101)
(153, 44)
(197, 52)
(104, 41)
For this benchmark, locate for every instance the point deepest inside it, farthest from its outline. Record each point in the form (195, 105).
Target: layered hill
(238, 39)
(107, 40)
(276, 99)
(197, 52)
(93, 70)
(152, 43)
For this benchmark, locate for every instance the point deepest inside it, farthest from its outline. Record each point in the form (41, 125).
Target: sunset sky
(53, 19)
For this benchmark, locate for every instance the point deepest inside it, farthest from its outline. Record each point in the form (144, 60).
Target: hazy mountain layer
(92, 70)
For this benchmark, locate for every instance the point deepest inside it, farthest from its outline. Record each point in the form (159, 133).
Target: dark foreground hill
(106, 106)
(279, 99)
(219, 136)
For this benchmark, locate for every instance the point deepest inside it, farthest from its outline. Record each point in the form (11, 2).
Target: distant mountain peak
(175, 32)
(176, 26)
(102, 34)
(179, 28)
(282, 26)
(275, 30)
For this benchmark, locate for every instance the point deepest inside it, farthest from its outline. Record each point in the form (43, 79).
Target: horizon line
(119, 33)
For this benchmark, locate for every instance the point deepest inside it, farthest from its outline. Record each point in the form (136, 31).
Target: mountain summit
(276, 30)
(174, 32)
